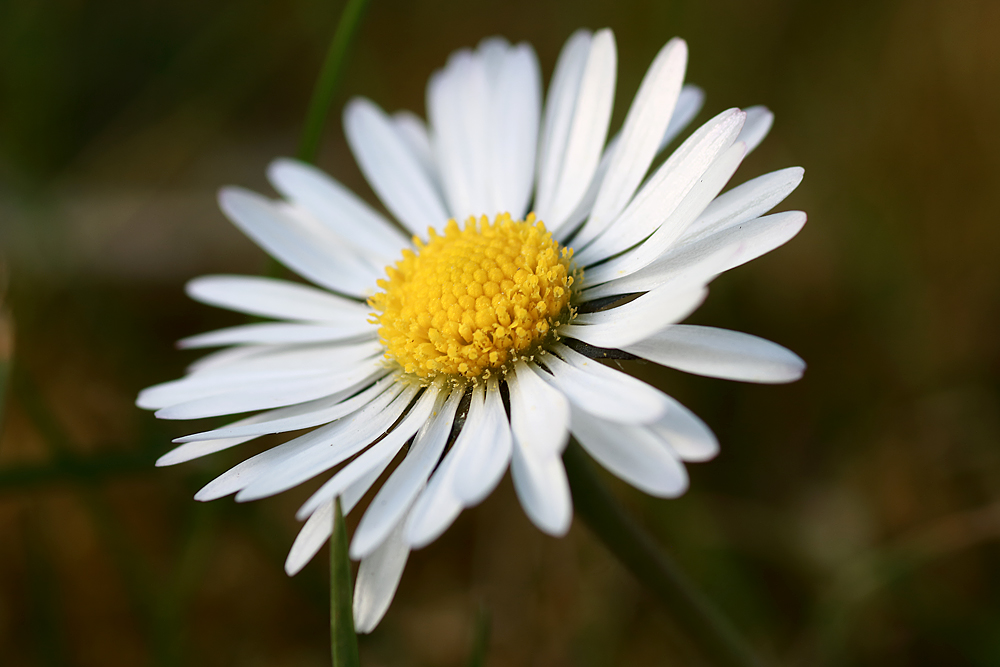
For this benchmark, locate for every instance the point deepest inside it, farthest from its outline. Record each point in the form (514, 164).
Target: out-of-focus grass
(851, 517)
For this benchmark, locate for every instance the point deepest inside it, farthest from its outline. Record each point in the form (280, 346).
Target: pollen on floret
(473, 298)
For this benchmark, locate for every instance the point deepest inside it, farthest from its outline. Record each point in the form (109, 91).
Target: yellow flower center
(473, 299)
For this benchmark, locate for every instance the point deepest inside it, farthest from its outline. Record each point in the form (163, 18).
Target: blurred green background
(852, 518)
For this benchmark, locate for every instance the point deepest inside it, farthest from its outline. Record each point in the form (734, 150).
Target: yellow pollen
(473, 299)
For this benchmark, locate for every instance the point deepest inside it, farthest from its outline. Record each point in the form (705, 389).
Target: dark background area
(852, 518)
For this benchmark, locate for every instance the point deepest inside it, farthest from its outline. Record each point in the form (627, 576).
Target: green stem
(343, 640)
(692, 611)
(329, 77)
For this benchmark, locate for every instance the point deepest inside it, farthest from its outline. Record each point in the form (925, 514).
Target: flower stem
(343, 640)
(619, 532)
(329, 77)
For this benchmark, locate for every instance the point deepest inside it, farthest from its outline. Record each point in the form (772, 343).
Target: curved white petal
(736, 245)
(601, 390)
(399, 491)
(688, 436)
(758, 124)
(378, 578)
(275, 333)
(392, 169)
(543, 490)
(484, 458)
(283, 234)
(414, 132)
(311, 537)
(577, 116)
(377, 457)
(340, 439)
(720, 353)
(745, 202)
(662, 194)
(634, 453)
(332, 204)
(278, 299)
(689, 103)
(639, 140)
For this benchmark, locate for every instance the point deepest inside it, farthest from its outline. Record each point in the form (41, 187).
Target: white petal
(601, 390)
(484, 459)
(634, 453)
(343, 442)
(392, 169)
(720, 353)
(274, 393)
(573, 153)
(397, 494)
(299, 416)
(539, 418)
(736, 244)
(539, 413)
(637, 319)
(374, 460)
(314, 534)
(226, 357)
(688, 436)
(272, 333)
(758, 124)
(688, 105)
(541, 486)
(414, 132)
(279, 299)
(436, 507)
(745, 202)
(349, 430)
(290, 359)
(662, 194)
(663, 238)
(338, 208)
(378, 578)
(281, 232)
(644, 126)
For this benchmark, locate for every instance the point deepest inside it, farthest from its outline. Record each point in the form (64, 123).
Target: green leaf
(343, 639)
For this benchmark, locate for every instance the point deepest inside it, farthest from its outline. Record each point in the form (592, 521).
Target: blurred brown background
(851, 519)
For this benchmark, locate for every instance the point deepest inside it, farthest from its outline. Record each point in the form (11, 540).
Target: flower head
(531, 242)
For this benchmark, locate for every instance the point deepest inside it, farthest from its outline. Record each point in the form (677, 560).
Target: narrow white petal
(374, 460)
(414, 132)
(664, 237)
(745, 202)
(644, 126)
(290, 359)
(587, 132)
(314, 534)
(392, 169)
(226, 357)
(720, 353)
(436, 507)
(636, 454)
(688, 436)
(601, 390)
(539, 418)
(543, 490)
(332, 204)
(662, 194)
(484, 459)
(378, 578)
(689, 103)
(194, 450)
(333, 450)
(272, 333)
(274, 393)
(279, 299)
(399, 491)
(299, 416)
(558, 118)
(352, 429)
(539, 413)
(736, 244)
(281, 232)
(758, 124)
(637, 319)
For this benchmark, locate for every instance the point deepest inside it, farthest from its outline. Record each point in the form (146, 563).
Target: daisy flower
(463, 341)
